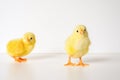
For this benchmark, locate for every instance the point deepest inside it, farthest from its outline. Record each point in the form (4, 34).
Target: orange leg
(81, 63)
(19, 59)
(69, 62)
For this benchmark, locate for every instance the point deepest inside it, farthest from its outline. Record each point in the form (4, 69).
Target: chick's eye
(77, 31)
(31, 38)
(84, 29)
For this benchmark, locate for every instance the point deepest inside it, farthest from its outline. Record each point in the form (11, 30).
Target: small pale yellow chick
(18, 48)
(77, 45)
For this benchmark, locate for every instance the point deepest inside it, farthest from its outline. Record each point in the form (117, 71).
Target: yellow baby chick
(77, 45)
(18, 48)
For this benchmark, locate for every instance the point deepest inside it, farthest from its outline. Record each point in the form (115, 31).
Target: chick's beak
(28, 39)
(81, 32)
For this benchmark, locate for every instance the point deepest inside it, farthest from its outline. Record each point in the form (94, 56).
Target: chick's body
(77, 44)
(18, 48)
(77, 47)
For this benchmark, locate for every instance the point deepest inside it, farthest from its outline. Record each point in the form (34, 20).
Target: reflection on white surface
(18, 71)
(51, 67)
(76, 73)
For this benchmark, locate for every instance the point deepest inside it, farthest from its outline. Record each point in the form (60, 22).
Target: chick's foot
(69, 64)
(20, 59)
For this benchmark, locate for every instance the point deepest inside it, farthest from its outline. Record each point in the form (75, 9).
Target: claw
(81, 63)
(18, 59)
(69, 64)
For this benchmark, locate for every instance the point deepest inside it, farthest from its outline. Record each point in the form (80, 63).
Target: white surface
(53, 20)
(50, 67)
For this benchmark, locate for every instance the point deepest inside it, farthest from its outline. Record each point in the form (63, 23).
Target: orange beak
(28, 39)
(81, 32)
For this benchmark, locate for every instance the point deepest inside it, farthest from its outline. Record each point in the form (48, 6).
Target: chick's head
(80, 30)
(29, 38)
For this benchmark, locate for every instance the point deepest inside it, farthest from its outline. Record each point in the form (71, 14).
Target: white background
(54, 20)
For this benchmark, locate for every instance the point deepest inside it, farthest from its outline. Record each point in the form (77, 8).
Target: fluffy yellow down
(77, 44)
(21, 47)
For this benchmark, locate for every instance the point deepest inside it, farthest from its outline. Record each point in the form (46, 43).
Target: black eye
(77, 31)
(31, 38)
(84, 29)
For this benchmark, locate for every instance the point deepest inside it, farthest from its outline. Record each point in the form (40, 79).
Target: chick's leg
(69, 62)
(23, 59)
(81, 63)
(19, 59)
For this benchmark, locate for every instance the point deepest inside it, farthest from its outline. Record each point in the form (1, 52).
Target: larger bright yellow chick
(18, 48)
(77, 45)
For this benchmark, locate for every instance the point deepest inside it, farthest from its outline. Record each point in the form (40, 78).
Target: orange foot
(69, 64)
(82, 64)
(18, 59)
